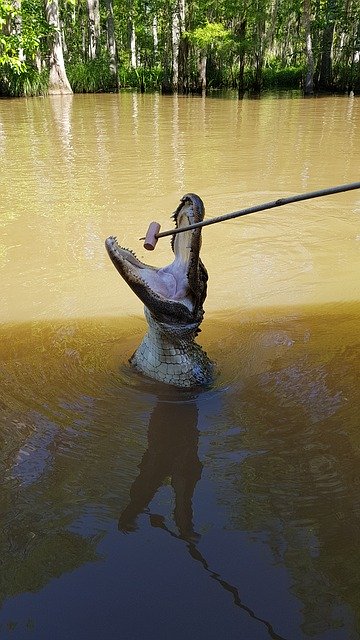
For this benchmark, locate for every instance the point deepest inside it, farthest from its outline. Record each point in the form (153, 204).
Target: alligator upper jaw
(173, 294)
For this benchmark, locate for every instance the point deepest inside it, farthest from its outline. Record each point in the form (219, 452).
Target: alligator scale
(173, 297)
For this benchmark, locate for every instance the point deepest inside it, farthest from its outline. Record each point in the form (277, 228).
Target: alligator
(173, 297)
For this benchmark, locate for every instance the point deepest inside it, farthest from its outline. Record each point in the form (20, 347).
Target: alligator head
(173, 297)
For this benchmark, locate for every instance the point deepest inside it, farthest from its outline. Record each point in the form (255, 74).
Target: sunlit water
(135, 511)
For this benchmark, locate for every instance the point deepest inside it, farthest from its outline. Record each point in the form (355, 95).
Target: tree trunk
(58, 82)
(259, 56)
(64, 45)
(133, 60)
(38, 61)
(270, 35)
(241, 83)
(18, 26)
(183, 48)
(166, 60)
(240, 32)
(354, 76)
(202, 72)
(83, 38)
(176, 33)
(325, 78)
(111, 42)
(257, 82)
(179, 47)
(310, 67)
(155, 38)
(356, 56)
(94, 27)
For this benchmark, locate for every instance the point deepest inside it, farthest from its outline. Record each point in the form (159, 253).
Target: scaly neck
(169, 354)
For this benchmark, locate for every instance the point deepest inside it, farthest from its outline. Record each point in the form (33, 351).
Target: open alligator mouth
(173, 297)
(173, 294)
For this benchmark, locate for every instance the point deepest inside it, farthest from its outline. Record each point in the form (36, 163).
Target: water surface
(133, 510)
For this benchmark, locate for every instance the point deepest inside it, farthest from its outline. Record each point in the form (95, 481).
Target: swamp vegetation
(60, 46)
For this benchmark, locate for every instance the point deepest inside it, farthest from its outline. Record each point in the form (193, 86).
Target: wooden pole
(280, 202)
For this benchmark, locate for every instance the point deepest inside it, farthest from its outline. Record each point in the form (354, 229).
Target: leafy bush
(92, 76)
(282, 78)
(27, 81)
(347, 77)
(23, 34)
(144, 79)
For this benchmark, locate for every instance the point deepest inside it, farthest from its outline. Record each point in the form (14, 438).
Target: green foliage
(211, 34)
(29, 82)
(10, 44)
(250, 45)
(347, 77)
(92, 76)
(7, 11)
(141, 78)
(22, 36)
(34, 29)
(282, 78)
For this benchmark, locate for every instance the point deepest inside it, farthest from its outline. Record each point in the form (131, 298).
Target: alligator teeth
(129, 251)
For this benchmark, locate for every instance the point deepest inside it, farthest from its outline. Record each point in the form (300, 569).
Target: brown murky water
(241, 503)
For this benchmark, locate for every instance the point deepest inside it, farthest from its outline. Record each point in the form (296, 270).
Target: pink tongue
(166, 284)
(163, 283)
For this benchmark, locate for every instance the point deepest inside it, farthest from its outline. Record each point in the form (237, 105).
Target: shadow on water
(240, 503)
(172, 452)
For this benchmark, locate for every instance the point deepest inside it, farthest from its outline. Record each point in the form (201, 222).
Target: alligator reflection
(172, 452)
